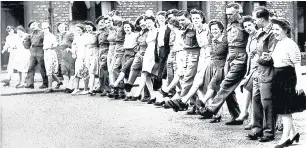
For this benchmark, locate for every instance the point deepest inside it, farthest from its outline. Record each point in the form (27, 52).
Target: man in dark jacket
(35, 41)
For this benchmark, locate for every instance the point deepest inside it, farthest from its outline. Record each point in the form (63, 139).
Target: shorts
(68, 69)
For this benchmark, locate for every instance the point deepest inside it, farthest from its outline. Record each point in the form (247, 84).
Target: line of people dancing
(188, 59)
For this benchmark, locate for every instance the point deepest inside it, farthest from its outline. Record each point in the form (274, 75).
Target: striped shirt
(286, 53)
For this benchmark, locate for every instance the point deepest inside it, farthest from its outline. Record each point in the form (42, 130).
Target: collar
(219, 38)
(267, 28)
(203, 28)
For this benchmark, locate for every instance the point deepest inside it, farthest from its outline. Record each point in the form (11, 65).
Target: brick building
(20, 13)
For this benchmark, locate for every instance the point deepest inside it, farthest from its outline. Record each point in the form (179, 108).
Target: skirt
(23, 60)
(51, 62)
(286, 100)
(214, 74)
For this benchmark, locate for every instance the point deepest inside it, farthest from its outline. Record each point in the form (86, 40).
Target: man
(264, 119)
(35, 40)
(236, 62)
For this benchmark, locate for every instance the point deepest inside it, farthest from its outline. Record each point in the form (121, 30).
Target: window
(79, 10)
(167, 5)
(194, 5)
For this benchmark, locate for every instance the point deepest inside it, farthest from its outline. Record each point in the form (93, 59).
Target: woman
(65, 52)
(11, 47)
(129, 47)
(287, 79)
(23, 61)
(50, 57)
(149, 66)
(81, 66)
(92, 53)
(138, 60)
(109, 23)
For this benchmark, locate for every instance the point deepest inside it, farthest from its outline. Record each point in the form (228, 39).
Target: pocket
(190, 38)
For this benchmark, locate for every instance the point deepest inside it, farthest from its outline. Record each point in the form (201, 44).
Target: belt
(236, 50)
(112, 43)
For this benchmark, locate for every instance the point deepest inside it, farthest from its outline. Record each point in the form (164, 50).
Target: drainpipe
(50, 17)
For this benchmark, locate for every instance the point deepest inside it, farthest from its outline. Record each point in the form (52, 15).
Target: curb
(31, 92)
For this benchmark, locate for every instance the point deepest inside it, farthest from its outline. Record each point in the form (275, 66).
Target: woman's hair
(20, 28)
(137, 22)
(129, 23)
(150, 18)
(58, 24)
(284, 24)
(184, 13)
(248, 18)
(195, 11)
(174, 22)
(9, 28)
(81, 27)
(218, 23)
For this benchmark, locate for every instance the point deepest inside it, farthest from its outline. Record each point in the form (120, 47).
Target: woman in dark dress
(287, 79)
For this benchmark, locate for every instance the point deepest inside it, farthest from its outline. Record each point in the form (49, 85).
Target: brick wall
(61, 12)
(40, 11)
(217, 11)
(130, 10)
(282, 9)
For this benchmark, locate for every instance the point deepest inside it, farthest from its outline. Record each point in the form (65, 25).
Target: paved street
(60, 120)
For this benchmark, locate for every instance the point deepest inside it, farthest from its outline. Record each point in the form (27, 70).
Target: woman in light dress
(11, 47)
(50, 57)
(81, 63)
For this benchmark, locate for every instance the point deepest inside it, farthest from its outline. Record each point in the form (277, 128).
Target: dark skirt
(286, 100)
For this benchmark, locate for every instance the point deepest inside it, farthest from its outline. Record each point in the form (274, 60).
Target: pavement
(59, 120)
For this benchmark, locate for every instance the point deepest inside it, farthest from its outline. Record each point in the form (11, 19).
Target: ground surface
(60, 120)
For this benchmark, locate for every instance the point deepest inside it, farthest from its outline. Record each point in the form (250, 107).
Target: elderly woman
(287, 79)
(50, 57)
(10, 46)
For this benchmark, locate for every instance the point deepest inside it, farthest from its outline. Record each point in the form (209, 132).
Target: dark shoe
(296, 138)
(43, 86)
(129, 98)
(92, 93)
(152, 101)
(165, 94)
(265, 139)
(66, 90)
(128, 87)
(144, 99)
(253, 136)
(159, 103)
(215, 120)
(192, 111)
(122, 95)
(17, 85)
(103, 94)
(6, 81)
(70, 91)
(178, 105)
(234, 122)
(206, 113)
(136, 98)
(31, 86)
(20, 86)
(248, 127)
(279, 127)
(58, 85)
(284, 144)
(6, 84)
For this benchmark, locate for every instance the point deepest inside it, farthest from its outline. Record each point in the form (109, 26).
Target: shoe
(215, 119)
(253, 136)
(122, 95)
(206, 113)
(6, 84)
(178, 105)
(20, 86)
(70, 90)
(159, 103)
(31, 86)
(284, 144)
(84, 92)
(92, 93)
(17, 85)
(234, 122)
(103, 94)
(192, 111)
(152, 101)
(128, 87)
(43, 86)
(265, 139)
(136, 98)
(248, 127)
(58, 85)
(76, 91)
(49, 90)
(128, 98)
(66, 90)
(296, 138)
(279, 127)
(6, 81)
(165, 94)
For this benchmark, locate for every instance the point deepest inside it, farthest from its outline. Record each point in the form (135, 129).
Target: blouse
(286, 53)
(130, 40)
(49, 41)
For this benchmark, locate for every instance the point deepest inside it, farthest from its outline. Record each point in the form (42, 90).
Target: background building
(21, 12)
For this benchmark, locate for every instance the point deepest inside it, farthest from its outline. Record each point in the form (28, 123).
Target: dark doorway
(167, 5)
(79, 11)
(12, 13)
(301, 16)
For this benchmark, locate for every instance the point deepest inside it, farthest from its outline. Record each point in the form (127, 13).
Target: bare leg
(150, 87)
(172, 84)
(91, 82)
(141, 85)
(66, 81)
(209, 94)
(193, 90)
(23, 76)
(119, 79)
(287, 123)
(245, 105)
(20, 78)
(50, 80)
(71, 82)
(56, 78)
